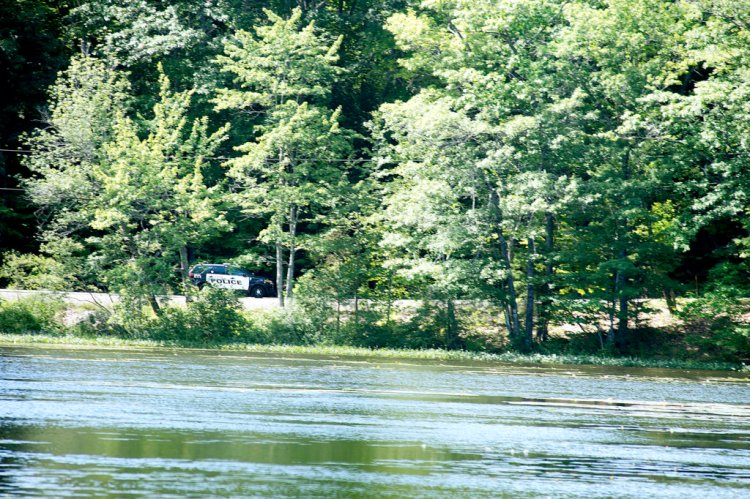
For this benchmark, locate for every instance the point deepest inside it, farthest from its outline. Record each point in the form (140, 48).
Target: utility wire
(327, 160)
(223, 158)
(16, 151)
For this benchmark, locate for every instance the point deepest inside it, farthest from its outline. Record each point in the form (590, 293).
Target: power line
(223, 158)
(16, 151)
(331, 160)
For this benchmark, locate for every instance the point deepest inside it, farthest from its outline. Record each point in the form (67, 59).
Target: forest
(510, 166)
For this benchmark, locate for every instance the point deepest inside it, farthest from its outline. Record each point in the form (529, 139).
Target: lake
(163, 423)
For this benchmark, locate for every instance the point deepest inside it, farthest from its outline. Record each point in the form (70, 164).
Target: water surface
(164, 423)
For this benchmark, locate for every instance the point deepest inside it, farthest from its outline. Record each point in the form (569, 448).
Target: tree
(701, 125)
(434, 215)
(295, 166)
(127, 206)
(31, 53)
(493, 71)
(153, 202)
(64, 156)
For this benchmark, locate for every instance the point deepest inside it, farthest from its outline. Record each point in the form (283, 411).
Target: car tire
(258, 292)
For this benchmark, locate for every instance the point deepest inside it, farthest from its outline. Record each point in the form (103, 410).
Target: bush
(574, 343)
(714, 325)
(101, 322)
(27, 271)
(646, 342)
(37, 314)
(215, 315)
(286, 326)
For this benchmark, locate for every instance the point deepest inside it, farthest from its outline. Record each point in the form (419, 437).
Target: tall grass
(215, 320)
(359, 352)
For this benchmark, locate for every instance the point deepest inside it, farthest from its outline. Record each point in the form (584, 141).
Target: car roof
(214, 265)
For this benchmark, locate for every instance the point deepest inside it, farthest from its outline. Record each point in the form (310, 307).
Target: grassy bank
(216, 320)
(7, 340)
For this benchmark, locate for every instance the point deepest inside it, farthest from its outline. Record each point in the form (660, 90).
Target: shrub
(27, 271)
(215, 315)
(285, 326)
(714, 324)
(101, 322)
(37, 314)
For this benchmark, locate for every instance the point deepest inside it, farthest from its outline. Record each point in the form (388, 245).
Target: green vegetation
(37, 315)
(361, 352)
(554, 163)
(216, 320)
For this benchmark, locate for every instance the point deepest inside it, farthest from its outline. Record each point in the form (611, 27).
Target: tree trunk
(451, 334)
(184, 266)
(515, 324)
(511, 288)
(622, 316)
(671, 299)
(280, 273)
(545, 300)
(508, 320)
(356, 311)
(154, 305)
(292, 253)
(338, 316)
(611, 331)
(389, 299)
(290, 273)
(530, 297)
(620, 298)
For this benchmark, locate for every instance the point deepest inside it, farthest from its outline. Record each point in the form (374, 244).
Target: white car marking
(228, 281)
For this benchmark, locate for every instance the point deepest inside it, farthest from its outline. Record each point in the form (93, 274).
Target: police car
(222, 275)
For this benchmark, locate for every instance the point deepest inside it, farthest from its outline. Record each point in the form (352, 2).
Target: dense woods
(559, 161)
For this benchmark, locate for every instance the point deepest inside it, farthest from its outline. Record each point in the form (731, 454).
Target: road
(107, 300)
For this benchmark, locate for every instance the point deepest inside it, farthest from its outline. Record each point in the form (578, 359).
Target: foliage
(558, 160)
(383, 355)
(29, 271)
(33, 315)
(292, 168)
(153, 199)
(31, 53)
(121, 203)
(215, 315)
(716, 325)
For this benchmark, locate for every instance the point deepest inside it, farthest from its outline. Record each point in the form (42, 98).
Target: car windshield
(239, 271)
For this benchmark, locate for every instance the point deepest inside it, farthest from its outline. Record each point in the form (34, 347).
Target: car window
(217, 269)
(234, 270)
(198, 269)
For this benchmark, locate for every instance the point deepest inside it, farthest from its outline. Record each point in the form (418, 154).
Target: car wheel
(258, 292)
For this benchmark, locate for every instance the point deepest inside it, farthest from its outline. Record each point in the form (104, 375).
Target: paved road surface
(107, 299)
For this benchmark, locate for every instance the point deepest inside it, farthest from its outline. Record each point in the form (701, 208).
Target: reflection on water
(161, 423)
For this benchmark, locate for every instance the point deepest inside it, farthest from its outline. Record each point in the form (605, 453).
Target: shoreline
(41, 340)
